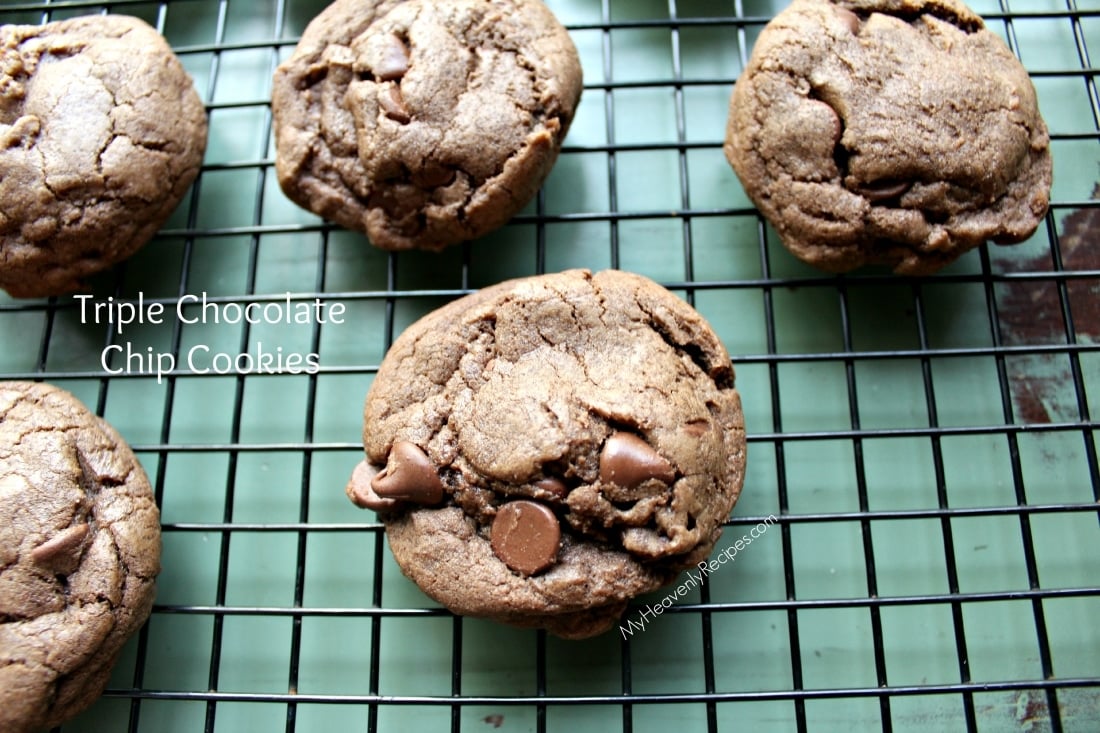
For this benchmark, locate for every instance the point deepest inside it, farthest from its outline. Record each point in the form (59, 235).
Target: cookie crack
(720, 375)
(967, 24)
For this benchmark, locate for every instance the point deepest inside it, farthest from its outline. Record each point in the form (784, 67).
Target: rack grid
(922, 498)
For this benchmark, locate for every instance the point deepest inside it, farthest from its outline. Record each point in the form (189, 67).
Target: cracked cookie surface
(423, 123)
(101, 133)
(587, 438)
(896, 132)
(79, 554)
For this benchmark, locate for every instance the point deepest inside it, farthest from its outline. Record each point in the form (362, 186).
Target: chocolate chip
(433, 175)
(395, 60)
(525, 536)
(882, 191)
(360, 492)
(65, 545)
(553, 486)
(850, 19)
(408, 476)
(627, 460)
(393, 104)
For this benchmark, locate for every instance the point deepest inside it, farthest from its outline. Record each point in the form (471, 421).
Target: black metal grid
(776, 371)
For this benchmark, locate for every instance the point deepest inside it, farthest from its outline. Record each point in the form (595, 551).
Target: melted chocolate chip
(525, 536)
(360, 492)
(393, 104)
(627, 460)
(65, 546)
(409, 476)
(850, 19)
(553, 486)
(433, 175)
(395, 60)
(882, 191)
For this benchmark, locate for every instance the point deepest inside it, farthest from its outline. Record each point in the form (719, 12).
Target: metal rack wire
(927, 446)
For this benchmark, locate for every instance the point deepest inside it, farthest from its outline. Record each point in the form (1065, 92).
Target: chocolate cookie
(548, 448)
(424, 123)
(898, 132)
(101, 133)
(79, 553)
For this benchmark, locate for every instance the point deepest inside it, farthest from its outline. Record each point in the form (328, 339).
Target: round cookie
(548, 448)
(424, 123)
(896, 132)
(101, 133)
(79, 554)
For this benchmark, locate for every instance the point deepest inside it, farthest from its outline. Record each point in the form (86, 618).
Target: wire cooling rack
(926, 447)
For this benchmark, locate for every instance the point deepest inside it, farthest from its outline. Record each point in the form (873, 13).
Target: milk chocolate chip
(393, 104)
(360, 492)
(65, 547)
(882, 190)
(627, 460)
(850, 19)
(409, 476)
(395, 60)
(525, 536)
(553, 486)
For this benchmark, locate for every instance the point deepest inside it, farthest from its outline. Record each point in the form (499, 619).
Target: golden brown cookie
(101, 133)
(424, 123)
(897, 132)
(546, 449)
(79, 554)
